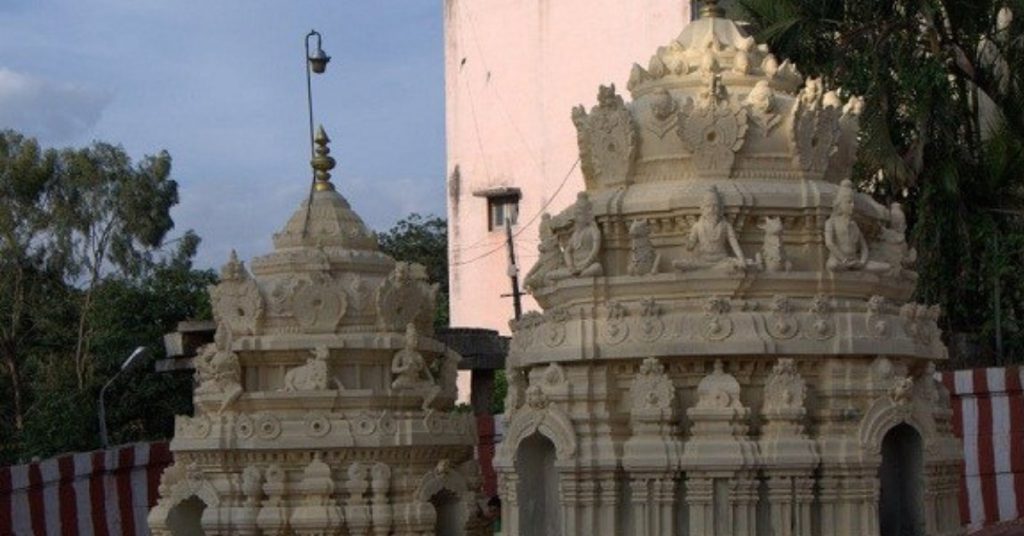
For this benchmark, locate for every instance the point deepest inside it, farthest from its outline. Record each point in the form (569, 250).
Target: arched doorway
(540, 511)
(900, 504)
(184, 519)
(447, 507)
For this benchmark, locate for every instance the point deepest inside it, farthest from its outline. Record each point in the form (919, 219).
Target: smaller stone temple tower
(728, 344)
(324, 406)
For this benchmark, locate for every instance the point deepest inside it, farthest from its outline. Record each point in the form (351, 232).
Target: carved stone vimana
(727, 345)
(324, 407)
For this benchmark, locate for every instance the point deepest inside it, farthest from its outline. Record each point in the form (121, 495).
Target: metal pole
(309, 106)
(513, 270)
(104, 439)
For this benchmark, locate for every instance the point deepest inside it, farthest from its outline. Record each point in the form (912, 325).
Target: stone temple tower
(324, 407)
(727, 344)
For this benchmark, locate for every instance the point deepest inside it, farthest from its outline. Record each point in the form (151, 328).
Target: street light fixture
(138, 355)
(316, 62)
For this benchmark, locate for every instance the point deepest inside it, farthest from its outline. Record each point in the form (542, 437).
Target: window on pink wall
(501, 208)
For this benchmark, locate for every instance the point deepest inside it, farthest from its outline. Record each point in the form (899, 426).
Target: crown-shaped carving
(714, 104)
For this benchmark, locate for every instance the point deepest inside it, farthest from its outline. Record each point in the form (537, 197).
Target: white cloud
(53, 111)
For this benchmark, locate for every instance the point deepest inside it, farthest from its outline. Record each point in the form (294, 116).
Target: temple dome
(714, 103)
(326, 276)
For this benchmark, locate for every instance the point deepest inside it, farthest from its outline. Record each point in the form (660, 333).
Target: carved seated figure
(894, 248)
(409, 367)
(550, 260)
(583, 249)
(714, 239)
(218, 370)
(309, 377)
(847, 247)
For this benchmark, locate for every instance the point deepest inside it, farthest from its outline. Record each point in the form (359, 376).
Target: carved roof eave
(371, 339)
(676, 286)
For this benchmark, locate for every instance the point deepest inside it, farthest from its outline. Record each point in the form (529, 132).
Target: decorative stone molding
(554, 330)
(319, 304)
(406, 297)
(607, 140)
(663, 109)
(180, 481)
(821, 321)
(236, 301)
(712, 130)
(616, 324)
(875, 321)
(650, 326)
(539, 416)
(785, 390)
(652, 394)
(717, 324)
(781, 322)
(317, 513)
(815, 127)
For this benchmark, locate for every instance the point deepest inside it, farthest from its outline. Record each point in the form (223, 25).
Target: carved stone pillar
(720, 460)
(508, 483)
(651, 455)
(700, 500)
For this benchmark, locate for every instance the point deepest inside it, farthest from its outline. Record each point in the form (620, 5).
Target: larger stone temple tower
(727, 344)
(324, 407)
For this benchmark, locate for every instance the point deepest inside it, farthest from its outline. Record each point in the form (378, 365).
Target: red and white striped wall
(988, 414)
(101, 493)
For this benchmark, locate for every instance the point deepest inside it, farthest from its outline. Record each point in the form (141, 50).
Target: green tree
(110, 214)
(942, 132)
(85, 276)
(424, 240)
(27, 259)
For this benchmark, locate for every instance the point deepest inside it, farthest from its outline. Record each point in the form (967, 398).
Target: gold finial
(711, 10)
(322, 163)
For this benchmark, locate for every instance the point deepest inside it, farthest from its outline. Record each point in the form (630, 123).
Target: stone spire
(322, 163)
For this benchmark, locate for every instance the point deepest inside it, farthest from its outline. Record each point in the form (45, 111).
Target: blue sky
(220, 84)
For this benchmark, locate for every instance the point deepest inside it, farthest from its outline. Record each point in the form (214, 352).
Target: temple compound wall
(728, 344)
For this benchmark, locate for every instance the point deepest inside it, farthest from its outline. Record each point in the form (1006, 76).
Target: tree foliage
(422, 239)
(86, 275)
(942, 132)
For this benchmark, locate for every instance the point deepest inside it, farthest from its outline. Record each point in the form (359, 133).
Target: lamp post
(316, 62)
(135, 357)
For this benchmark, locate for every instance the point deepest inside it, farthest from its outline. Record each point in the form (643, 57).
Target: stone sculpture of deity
(583, 249)
(408, 365)
(894, 248)
(218, 370)
(847, 247)
(550, 260)
(714, 239)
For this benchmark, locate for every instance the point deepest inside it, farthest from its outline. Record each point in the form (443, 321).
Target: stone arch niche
(900, 506)
(539, 508)
(185, 518)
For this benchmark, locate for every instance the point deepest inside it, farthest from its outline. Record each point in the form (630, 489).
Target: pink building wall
(513, 71)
